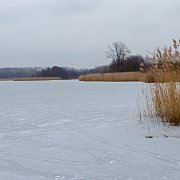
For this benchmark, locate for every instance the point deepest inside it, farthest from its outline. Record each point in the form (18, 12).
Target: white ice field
(70, 130)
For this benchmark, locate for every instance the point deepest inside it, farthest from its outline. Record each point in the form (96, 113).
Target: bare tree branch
(118, 54)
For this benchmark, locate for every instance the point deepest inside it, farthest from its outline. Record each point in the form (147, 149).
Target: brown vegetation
(114, 77)
(36, 79)
(159, 76)
(162, 98)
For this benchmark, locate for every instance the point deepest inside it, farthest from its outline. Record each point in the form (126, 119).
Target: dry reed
(36, 78)
(162, 95)
(114, 77)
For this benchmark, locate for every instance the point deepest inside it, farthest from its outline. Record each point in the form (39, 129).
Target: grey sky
(76, 33)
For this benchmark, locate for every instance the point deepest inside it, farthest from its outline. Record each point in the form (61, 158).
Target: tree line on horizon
(55, 71)
(118, 54)
(18, 72)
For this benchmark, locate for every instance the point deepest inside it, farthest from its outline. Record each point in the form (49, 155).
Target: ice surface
(81, 131)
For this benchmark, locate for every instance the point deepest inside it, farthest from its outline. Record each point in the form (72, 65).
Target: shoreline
(31, 79)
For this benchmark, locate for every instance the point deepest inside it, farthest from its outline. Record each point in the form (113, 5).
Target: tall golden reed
(162, 95)
(114, 77)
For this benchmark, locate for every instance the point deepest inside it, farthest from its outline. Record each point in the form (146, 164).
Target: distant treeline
(120, 60)
(69, 73)
(55, 71)
(132, 63)
(19, 72)
(118, 54)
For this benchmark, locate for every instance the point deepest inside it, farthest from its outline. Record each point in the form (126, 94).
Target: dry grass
(114, 77)
(157, 75)
(36, 79)
(162, 98)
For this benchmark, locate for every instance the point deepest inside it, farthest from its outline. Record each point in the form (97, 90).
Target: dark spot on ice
(149, 137)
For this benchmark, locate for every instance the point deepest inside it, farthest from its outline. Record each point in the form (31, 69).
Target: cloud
(77, 32)
(70, 6)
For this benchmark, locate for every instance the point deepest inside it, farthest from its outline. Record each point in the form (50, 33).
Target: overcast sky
(76, 33)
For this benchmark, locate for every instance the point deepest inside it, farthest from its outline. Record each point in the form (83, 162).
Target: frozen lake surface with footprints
(71, 130)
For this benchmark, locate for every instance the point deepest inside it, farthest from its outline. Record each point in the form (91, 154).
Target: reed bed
(155, 76)
(150, 76)
(36, 78)
(114, 77)
(162, 95)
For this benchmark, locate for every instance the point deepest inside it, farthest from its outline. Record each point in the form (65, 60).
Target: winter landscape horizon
(89, 90)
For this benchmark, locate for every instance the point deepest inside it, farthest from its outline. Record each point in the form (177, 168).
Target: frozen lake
(72, 130)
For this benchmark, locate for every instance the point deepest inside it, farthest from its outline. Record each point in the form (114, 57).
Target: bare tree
(118, 53)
